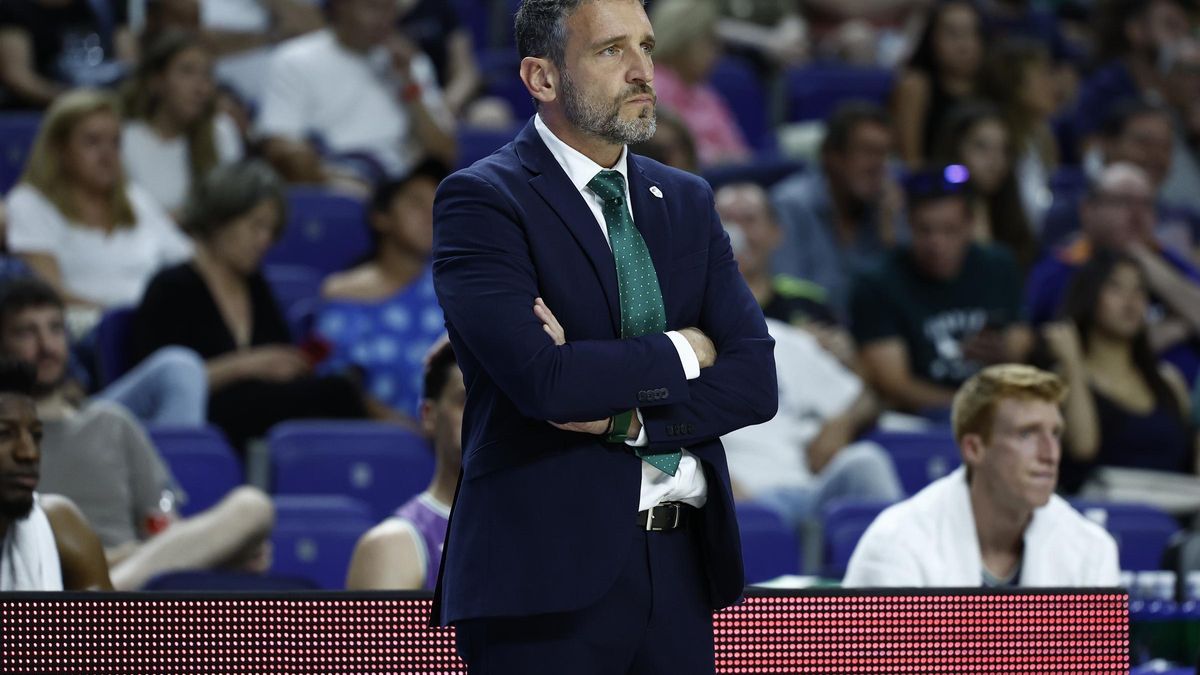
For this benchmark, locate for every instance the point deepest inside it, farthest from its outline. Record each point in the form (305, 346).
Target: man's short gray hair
(541, 27)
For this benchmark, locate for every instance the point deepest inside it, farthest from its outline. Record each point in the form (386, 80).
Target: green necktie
(642, 311)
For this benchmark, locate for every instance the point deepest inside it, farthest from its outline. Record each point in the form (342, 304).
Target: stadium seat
(314, 536)
(499, 68)
(765, 170)
(201, 460)
(814, 91)
(1143, 532)
(295, 287)
(843, 522)
(326, 231)
(114, 356)
(921, 457)
(736, 80)
(769, 546)
(381, 464)
(475, 144)
(17, 133)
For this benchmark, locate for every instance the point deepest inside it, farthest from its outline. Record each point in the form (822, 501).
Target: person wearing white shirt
(995, 522)
(77, 221)
(173, 133)
(355, 99)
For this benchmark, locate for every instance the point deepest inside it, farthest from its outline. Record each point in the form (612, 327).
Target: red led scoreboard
(823, 631)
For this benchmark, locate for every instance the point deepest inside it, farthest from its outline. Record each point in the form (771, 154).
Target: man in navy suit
(607, 341)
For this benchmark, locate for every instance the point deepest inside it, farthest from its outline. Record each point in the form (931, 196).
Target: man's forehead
(1019, 411)
(603, 21)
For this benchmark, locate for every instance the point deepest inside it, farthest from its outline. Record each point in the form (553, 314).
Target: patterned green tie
(642, 311)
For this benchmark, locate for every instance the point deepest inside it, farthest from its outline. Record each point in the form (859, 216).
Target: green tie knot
(609, 186)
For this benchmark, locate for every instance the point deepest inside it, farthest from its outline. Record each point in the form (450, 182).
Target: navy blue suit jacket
(542, 518)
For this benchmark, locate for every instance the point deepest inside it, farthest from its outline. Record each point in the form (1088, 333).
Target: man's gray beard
(606, 123)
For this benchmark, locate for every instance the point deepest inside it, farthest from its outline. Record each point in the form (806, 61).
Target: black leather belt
(667, 516)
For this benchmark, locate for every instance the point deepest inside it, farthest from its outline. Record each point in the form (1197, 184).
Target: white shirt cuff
(641, 441)
(687, 355)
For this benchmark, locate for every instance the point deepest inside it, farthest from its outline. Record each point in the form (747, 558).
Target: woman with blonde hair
(685, 52)
(75, 218)
(173, 132)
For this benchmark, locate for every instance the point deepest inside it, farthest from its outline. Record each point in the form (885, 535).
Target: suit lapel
(552, 184)
(650, 216)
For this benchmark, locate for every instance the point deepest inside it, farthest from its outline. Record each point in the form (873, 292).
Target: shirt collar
(579, 168)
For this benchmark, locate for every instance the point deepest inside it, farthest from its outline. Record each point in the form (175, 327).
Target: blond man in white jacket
(995, 522)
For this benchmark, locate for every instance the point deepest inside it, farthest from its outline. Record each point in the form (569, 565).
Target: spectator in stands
(381, 317)
(405, 551)
(1144, 135)
(173, 133)
(934, 312)
(686, 51)
(45, 542)
(771, 32)
(976, 137)
(434, 28)
(945, 69)
(1135, 38)
(1019, 77)
(1126, 408)
(77, 221)
(96, 453)
(240, 34)
(220, 306)
(672, 143)
(1182, 183)
(807, 454)
(838, 217)
(994, 522)
(167, 388)
(365, 93)
(754, 233)
(1117, 214)
(50, 46)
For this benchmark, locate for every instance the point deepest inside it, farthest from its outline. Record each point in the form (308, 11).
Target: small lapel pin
(655, 191)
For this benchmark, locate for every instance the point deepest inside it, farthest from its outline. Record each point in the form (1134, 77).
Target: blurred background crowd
(217, 223)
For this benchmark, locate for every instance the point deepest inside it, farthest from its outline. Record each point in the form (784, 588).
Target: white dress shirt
(688, 484)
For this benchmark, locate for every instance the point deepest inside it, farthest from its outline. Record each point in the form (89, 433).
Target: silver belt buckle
(674, 508)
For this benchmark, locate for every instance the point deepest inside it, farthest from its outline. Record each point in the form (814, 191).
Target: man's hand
(706, 353)
(987, 347)
(549, 324)
(555, 330)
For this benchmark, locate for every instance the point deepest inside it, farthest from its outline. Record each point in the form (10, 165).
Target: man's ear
(428, 417)
(972, 449)
(540, 77)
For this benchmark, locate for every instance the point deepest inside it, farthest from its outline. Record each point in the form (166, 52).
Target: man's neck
(598, 150)
(55, 406)
(346, 39)
(1106, 353)
(399, 264)
(999, 526)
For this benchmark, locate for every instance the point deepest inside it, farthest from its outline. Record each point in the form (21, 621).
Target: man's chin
(16, 509)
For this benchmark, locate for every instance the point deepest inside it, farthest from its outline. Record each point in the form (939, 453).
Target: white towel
(29, 556)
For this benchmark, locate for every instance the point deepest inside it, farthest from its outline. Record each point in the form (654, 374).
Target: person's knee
(250, 509)
(871, 469)
(176, 363)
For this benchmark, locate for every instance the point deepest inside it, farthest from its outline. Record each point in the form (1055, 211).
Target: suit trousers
(655, 620)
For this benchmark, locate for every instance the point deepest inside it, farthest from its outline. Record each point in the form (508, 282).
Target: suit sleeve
(486, 281)
(740, 389)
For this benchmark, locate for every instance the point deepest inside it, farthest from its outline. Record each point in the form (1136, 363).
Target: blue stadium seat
(843, 522)
(295, 287)
(813, 92)
(765, 170)
(499, 68)
(314, 536)
(201, 460)
(17, 133)
(475, 16)
(326, 231)
(736, 80)
(381, 464)
(769, 546)
(921, 457)
(114, 356)
(1143, 532)
(475, 144)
